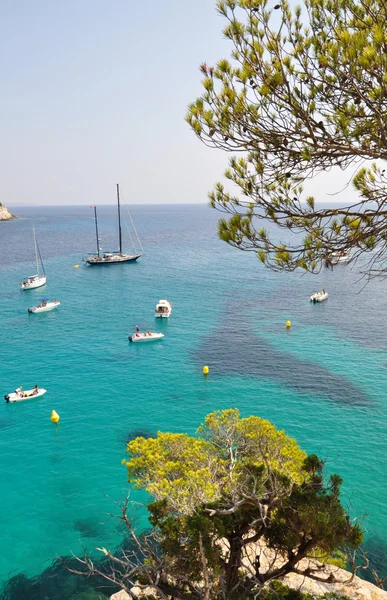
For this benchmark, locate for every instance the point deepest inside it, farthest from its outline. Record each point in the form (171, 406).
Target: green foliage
(304, 91)
(189, 471)
(278, 591)
(337, 558)
(175, 466)
(238, 481)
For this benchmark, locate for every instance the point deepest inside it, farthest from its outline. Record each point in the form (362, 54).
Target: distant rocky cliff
(4, 214)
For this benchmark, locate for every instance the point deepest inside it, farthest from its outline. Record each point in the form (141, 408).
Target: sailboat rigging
(37, 280)
(109, 258)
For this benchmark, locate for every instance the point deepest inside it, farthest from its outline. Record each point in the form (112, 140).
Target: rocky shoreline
(5, 215)
(337, 581)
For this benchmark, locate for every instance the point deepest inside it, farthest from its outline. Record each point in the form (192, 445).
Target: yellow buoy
(288, 324)
(76, 266)
(205, 370)
(54, 416)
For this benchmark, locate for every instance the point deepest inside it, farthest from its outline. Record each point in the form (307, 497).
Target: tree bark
(235, 561)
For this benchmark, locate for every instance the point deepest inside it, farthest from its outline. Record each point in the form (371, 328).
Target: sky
(94, 93)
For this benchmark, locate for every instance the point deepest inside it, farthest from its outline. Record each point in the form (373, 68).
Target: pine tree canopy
(303, 92)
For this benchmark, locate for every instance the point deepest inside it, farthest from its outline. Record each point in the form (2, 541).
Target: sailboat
(35, 281)
(110, 258)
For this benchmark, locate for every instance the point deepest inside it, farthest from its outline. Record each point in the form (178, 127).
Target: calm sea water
(324, 381)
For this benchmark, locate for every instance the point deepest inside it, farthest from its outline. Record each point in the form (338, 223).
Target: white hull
(47, 307)
(163, 309)
(338, 257)
(145, 337)
(319, 297)
(32, 282)
(24, 395)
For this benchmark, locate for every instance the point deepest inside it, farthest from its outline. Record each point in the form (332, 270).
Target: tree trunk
(234, 562)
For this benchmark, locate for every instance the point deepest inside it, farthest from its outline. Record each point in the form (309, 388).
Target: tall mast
(36, 252)
(119, 218)
(96, 229)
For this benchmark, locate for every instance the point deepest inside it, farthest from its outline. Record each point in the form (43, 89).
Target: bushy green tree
(235, 507)
(304, 91)
(232, 509)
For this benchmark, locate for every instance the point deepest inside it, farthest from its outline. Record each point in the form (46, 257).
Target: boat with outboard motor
(37, 280)
(146, 336)
(18, 395)
(163, 309)
(44, 306)
(319, 296)
(111, 258)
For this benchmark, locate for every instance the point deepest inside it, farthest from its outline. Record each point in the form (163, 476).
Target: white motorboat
(319, 296)
(19, 395)
(44, 306)
(117, 257)
(146, 336)
(34, 281)
(339, 257)
(163, 309)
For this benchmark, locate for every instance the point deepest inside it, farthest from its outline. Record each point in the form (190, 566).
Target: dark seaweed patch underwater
(248, 354)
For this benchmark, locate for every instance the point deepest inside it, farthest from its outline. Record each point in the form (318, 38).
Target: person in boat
(35, 390)
(137, 329)
(18, 391)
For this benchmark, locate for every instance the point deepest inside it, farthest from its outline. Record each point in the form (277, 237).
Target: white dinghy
(146, 336)
(35, 281)
(44, 306)
(319, 296)
(163, 309)
(19, 395)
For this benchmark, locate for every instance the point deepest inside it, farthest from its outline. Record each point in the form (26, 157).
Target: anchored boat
(37, 280)
(319, 296)
(111, 258)
(163, 309)
(339, 257)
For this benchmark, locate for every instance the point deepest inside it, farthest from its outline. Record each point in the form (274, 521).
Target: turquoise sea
(324, 381)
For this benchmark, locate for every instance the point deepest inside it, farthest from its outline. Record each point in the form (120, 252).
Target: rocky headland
(5, 215)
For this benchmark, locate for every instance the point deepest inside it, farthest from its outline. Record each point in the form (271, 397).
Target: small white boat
(34, 281)
(146, 336)
(163, 309)
(339, 257)
(19, 395)
(44, 306)
(319, 296)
